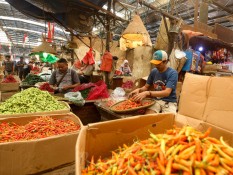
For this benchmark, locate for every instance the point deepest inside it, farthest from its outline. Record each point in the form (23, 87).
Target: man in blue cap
(164, 80)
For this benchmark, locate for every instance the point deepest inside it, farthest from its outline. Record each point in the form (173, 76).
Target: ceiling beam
(159, 10)
(101, 9)
(222, 6)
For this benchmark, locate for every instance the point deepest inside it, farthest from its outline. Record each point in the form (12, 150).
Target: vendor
(164, 80)
(64, 79)
(84, 70)
(125, 69)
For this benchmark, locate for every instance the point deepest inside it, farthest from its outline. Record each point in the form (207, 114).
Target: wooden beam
(159, 10)
(228, 10)
(202, 28)
(101, 20)
(101, 9)
(195, 13)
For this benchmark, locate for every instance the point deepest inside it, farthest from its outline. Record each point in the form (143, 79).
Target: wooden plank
(195, 13)
(203, 28)
(223, 33)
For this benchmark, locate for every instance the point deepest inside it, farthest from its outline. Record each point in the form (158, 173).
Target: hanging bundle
(106, 64)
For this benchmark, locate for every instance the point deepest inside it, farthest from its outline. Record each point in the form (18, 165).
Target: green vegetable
(29, 101)
(85, 92)
(32, 79)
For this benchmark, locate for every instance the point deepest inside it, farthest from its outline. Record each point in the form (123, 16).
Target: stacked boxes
(7, 90)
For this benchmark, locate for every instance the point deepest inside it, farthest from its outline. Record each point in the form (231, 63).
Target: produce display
(93, 91)
(128, 84)
(46, 87)
(178, 151)
(40, 127)
(85, 92)
(130, 104)
(9, 79)
(32, 79)
(29, 101)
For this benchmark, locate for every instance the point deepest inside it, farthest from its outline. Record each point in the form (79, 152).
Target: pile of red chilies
(9, 79)
(41, 127)
(46, 87)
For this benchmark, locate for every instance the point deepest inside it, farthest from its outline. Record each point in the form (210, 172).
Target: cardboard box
(29, 157)
(5, 95)
(9, 86)
(99, 139)
(62, 111)
(207, 101)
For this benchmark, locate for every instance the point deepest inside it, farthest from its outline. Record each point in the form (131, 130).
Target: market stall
(64, 119)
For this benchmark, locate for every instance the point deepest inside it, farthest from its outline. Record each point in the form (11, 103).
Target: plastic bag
(106, 63)
(99, 91)
(118, 92)
(89, 57)
(75, 97)
(83, 86)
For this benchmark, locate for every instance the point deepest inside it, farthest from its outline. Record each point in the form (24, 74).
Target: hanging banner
(50, 33)
(25, 39)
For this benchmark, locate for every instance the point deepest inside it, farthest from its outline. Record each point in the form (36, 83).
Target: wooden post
(108, 42)
(72, 51)
(195, 14)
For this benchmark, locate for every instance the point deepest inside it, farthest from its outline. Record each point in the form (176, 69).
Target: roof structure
(85, 17)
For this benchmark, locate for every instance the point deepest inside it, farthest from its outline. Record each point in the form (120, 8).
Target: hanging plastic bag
(89, 57)
(106, 63)
(75, 97)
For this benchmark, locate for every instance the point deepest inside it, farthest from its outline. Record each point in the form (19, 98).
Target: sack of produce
(31, 100)
(75, 97)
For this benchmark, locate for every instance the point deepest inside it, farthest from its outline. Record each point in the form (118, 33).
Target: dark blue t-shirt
(162, 80)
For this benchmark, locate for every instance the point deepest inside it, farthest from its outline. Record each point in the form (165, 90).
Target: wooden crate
(9, 87)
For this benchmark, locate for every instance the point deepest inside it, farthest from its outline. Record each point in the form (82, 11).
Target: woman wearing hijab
(125, 69)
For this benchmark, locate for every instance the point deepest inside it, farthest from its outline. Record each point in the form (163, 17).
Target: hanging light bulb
(136, 34)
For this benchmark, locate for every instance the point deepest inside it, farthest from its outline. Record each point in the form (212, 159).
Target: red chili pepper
(41, 127)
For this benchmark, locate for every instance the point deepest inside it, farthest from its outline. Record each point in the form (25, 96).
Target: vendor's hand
(140, 96)
(134, 92)
(65, 88)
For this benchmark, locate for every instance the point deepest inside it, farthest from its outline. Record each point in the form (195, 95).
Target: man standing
(8, 65)
(20, 67)
(164, 80)
(64, 79)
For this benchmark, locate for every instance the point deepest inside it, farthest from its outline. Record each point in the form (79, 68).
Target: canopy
(45, 57)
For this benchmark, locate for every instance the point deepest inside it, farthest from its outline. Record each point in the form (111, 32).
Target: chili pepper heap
(179, 151)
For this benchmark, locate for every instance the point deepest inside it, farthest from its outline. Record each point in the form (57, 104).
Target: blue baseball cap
(158, 57)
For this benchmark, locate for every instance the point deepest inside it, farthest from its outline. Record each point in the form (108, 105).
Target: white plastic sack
(75, 97)
(118, 94)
